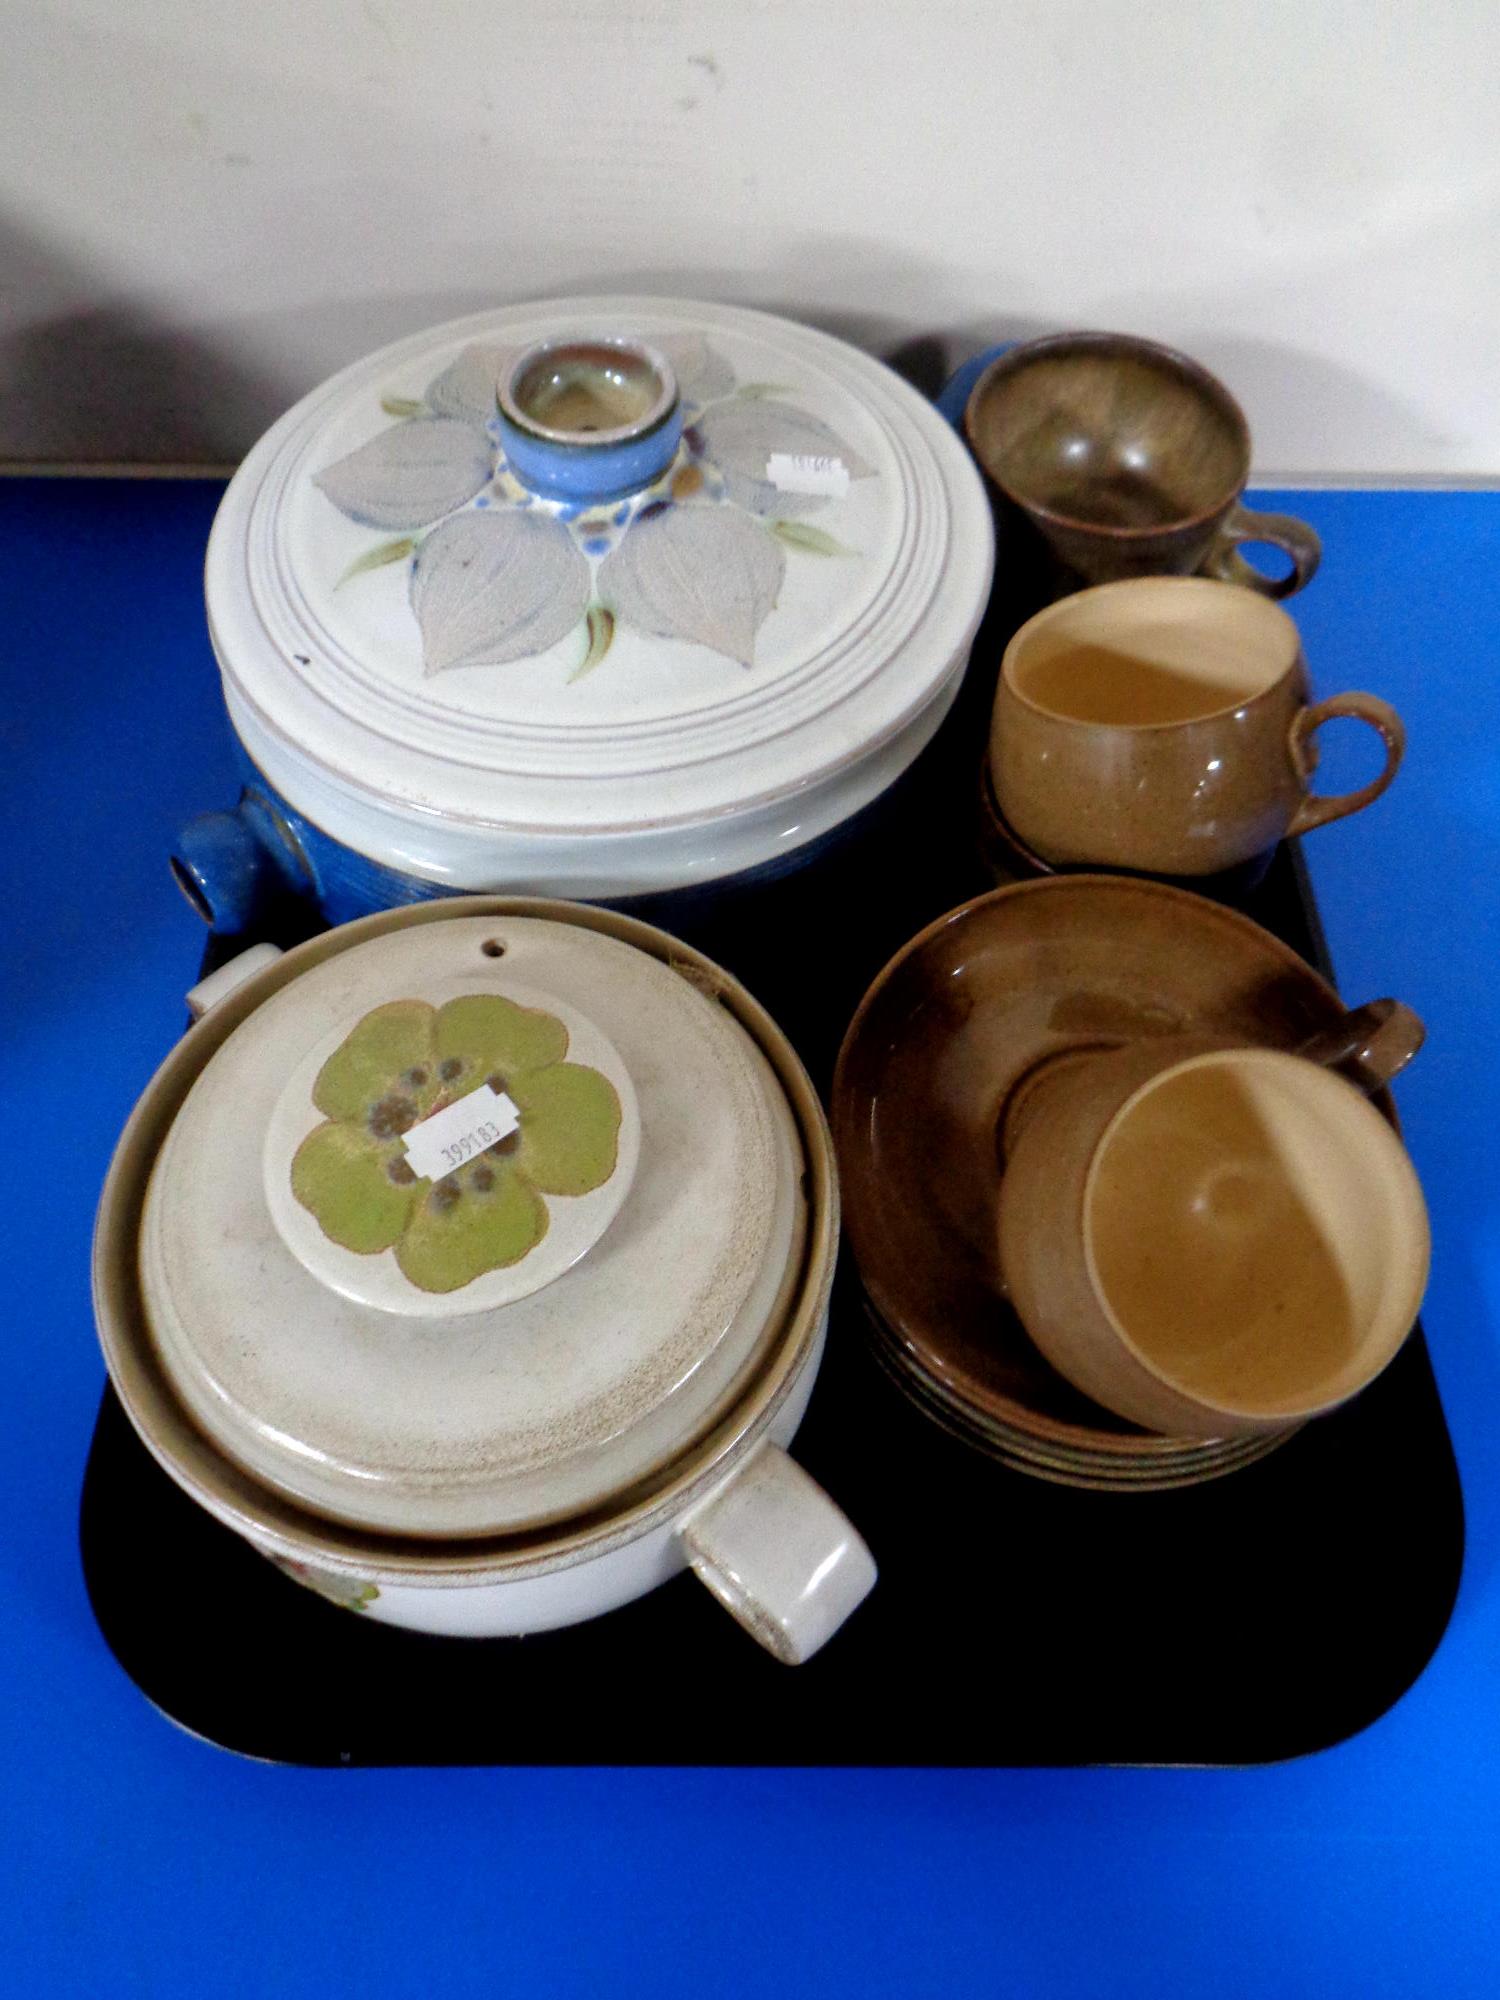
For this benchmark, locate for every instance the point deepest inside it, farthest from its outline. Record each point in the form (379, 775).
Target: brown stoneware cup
(1164, 725)
(1214, 1240)
(1130, 459)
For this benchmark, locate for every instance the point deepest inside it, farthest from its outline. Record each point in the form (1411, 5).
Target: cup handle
(1370, 1045)
(779, 1555)
(1382, 718)
(1283, 531)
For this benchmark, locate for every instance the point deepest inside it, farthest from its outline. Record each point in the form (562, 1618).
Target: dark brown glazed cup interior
(1107, 431)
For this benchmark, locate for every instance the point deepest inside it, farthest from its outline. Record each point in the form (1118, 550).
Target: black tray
(1270, 1613)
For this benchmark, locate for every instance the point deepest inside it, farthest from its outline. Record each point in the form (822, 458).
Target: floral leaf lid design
(510, 1340)
(690, 548)
(598, 569)
(405, 1061)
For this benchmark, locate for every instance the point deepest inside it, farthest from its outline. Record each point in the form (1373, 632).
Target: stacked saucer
(963, 1015)
(1078, 1445)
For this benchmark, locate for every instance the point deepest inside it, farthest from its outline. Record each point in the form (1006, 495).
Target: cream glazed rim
(861, 641)
(268, 1518)
(533, 1399)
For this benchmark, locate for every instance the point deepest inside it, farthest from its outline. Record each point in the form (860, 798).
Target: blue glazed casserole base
(232, 865)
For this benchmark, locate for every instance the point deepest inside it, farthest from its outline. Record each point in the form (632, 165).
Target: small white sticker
(808, 472)
(441, 1144)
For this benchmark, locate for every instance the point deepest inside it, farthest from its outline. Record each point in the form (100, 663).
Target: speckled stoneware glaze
(1007, 858)
(1213, 1240)
(601, 597)
(516, 1392)
(1165, 724)
(1130, 459)
(974, 1006)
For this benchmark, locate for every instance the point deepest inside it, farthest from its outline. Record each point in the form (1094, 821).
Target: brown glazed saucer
(1179, 1463)
(965, 1012)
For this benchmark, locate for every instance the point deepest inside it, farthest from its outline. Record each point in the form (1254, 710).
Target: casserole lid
(472, 1227)
(595, 566)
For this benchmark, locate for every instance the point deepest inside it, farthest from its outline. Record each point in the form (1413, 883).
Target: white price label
(443, 1143)
(808, 472)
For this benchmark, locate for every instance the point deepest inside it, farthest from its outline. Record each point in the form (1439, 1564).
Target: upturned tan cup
(1130, 459)
(1213, 1240)
(1164, 725)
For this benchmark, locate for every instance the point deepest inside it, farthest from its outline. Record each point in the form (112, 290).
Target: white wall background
(206, 205)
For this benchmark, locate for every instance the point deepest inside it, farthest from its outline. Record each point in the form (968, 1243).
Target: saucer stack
(1034, 1422)
(963, 1015)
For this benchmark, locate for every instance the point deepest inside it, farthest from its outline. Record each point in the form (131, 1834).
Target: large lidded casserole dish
(597, 597)
(472, 1262)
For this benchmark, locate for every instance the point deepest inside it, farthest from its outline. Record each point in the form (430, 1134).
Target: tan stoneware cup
(1213, 1240)
(1130, 459)
(1165, 725)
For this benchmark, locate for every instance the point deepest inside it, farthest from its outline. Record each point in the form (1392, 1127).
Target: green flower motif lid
(403, 618)
(347, 1149)
(463, 1232)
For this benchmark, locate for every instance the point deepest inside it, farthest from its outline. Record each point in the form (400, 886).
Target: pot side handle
(779, 1555)
(234, 972)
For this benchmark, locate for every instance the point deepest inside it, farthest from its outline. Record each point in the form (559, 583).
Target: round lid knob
(471, 1226)
(589, 420)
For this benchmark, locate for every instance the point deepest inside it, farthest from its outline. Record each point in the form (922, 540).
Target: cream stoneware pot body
(721, 1497)
(588, 1581)
(446, 678)
(1165, 724)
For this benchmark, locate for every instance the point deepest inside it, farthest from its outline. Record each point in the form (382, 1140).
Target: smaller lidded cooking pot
(610, 598)
(472, 1262)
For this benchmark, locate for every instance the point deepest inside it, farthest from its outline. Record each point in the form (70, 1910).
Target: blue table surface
(138, 1860)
